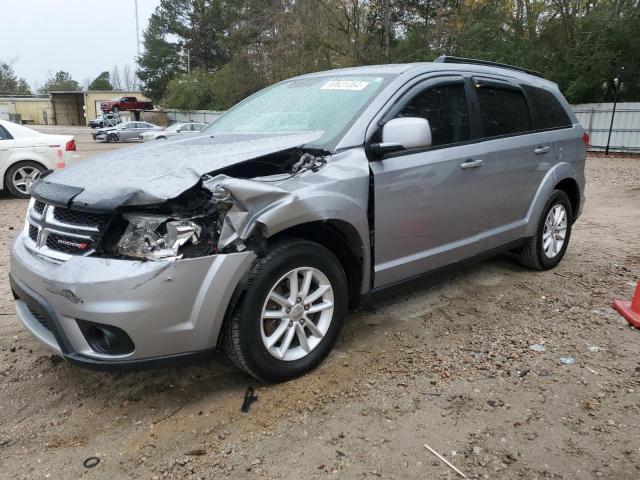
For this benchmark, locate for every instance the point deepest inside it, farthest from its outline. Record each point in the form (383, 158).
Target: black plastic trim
(54, 193)
(473, 61)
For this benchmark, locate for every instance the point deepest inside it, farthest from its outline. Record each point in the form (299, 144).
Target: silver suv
(259, 235)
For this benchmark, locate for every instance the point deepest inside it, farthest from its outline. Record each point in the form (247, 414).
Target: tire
(20, 171)
(112, 138)
(534, 255)
(244, 336)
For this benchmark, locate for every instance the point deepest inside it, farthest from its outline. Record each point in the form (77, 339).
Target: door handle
(472, 164)
(541, 150)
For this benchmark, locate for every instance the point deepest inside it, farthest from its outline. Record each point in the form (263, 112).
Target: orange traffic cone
(630, 310)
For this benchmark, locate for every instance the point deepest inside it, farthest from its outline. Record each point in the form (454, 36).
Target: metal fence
(596, 119)
(179, 116)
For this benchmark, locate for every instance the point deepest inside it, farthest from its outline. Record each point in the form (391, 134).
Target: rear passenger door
(520, 155)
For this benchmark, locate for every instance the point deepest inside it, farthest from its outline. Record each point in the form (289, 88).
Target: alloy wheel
(555, 231)
(24, 177)
(297, 313)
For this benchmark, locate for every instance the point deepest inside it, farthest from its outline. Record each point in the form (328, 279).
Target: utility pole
(137, 29)
(617, 83)
(386, 29)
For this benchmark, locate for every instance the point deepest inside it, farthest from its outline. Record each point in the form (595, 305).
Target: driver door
(429, 202)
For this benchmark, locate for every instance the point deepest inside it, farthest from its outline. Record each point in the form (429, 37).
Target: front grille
(38, 206)
(33, 232)
(80, 218)
(60, 232)
(40, 318)
(69, 245)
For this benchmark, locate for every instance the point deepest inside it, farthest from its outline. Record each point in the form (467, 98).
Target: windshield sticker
(353, 85)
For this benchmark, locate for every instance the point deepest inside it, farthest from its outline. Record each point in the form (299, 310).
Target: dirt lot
(444, 362)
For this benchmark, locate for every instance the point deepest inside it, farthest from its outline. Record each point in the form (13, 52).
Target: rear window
(504, 111)
(546, 110)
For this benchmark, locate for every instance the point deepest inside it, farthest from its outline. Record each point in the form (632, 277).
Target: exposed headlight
(156, 237)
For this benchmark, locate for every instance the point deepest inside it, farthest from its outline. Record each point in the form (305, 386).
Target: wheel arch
(562, 176)
(572, 189)
(342, 239)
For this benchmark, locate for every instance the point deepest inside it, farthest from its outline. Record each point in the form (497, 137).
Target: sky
(82, 37)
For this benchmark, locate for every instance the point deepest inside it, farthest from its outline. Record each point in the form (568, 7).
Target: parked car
(192, 128)
(96, 122)
(25, 154)
(105, 120)
(124, 132)
(259, 234)
(125, 103)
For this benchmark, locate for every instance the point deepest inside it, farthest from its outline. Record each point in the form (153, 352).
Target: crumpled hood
(155, 172)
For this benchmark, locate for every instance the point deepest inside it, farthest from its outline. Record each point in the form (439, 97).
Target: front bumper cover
(172, 311)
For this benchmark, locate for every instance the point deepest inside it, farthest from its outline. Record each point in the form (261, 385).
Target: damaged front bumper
(172, 311)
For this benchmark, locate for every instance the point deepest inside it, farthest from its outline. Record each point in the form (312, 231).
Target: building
(58, 108)
(32, 109)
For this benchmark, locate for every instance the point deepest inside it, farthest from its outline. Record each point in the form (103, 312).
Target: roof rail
(450, 59)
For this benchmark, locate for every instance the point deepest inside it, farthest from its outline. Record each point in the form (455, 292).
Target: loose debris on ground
(453, 362)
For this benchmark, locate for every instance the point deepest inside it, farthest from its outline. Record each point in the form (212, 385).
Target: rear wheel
(20, 177)
(547, 248)
(290, 314)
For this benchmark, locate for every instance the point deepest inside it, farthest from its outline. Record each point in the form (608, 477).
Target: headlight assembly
(156, 237)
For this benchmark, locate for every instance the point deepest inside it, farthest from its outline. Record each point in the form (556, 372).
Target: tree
(161, 60)
(101, 82)
(61, 81)
(245, 45)
(10, 84)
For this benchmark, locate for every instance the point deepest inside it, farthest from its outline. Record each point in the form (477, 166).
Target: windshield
(174, 127)
(317, 104)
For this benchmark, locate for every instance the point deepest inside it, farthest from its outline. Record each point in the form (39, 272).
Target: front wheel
(290, 313)
(112, 138)
(547, 248)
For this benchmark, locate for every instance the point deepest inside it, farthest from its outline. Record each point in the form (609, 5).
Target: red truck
(125, 103)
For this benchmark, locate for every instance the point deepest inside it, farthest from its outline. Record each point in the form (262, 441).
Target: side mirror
(406, 133)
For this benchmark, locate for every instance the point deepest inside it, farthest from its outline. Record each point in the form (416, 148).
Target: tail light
(585, 139)
(70, 146)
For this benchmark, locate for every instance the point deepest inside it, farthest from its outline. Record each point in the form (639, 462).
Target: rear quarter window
(546, 111)
(4, 135)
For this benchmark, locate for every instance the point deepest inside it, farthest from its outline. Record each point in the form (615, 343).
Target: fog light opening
(106, 339)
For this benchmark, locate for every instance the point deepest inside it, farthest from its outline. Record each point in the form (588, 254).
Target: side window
(445, 107)
(503, 111)
(3, 134)
(546, 110)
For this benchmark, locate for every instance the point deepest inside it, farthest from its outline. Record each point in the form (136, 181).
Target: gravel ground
(444, 361)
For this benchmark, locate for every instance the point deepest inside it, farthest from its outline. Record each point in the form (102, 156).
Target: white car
(25, 154)
(190, 128)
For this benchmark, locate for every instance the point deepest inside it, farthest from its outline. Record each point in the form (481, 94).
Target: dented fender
(338, 191)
